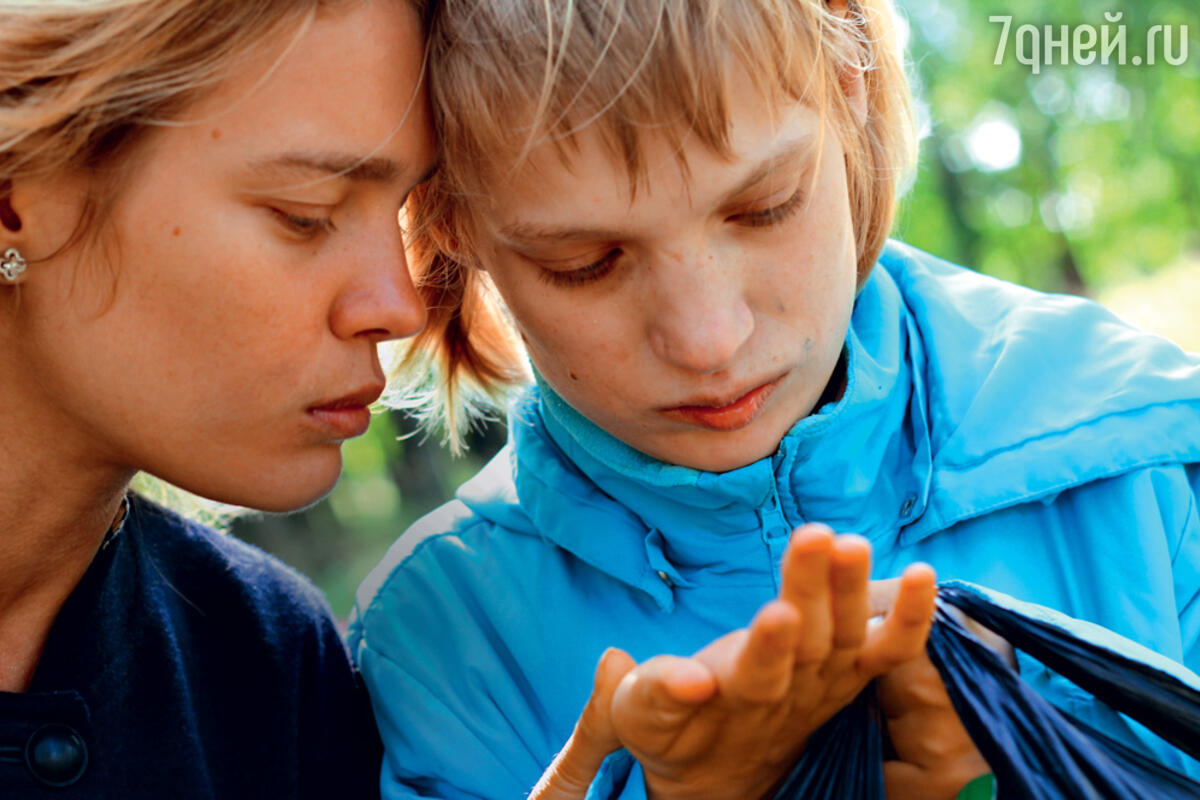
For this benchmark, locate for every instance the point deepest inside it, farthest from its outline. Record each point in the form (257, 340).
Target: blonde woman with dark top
(198, 224)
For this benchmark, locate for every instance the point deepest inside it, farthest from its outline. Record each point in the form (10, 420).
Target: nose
(379, 301)
(697, 315)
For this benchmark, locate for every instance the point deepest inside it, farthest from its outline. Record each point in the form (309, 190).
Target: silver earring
(12, 265)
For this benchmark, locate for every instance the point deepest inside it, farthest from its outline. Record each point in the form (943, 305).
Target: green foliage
(1107, 185)
(1106, 189)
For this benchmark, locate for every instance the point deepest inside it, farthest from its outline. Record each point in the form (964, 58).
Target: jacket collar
(860, 464)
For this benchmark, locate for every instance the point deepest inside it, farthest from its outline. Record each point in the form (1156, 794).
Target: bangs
(512, 76)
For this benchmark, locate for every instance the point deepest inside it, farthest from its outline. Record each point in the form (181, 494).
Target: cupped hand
(730, 721)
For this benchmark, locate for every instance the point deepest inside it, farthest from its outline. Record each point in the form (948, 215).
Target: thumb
(573, 769)
(657, 698)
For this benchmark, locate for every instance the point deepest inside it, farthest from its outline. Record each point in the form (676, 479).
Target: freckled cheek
(580, 357)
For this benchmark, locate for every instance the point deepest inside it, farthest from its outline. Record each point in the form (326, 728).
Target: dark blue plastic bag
(1035, 750)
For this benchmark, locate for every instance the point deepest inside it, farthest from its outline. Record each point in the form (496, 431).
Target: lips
(357, 399)
(725, 413)
(347, 416)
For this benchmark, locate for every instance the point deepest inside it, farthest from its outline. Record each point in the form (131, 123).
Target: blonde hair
(508, 75)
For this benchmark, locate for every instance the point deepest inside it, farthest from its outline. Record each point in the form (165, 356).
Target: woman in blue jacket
(684, 207)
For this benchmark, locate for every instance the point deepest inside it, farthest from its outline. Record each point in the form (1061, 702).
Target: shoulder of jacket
(450, 525)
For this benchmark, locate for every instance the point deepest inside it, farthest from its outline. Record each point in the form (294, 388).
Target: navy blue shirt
(188, 664)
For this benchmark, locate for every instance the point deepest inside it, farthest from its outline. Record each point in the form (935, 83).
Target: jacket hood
(964, 394)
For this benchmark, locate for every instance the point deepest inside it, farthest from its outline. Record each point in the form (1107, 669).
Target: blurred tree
(1073, 178)
(1077, 178)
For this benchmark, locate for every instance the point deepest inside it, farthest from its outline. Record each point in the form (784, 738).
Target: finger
(806, 587)
(763, 667)
(594, 728)
(943, 780)
(903, 781)
(913, 686)
(849, 573)
(993, 640)
(902, 634)
(656, 703)
(850, 570)
(571, 773)
(661, 694)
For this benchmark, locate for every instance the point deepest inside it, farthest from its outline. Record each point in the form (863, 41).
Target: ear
(13, 264)
(9, 217)
(39, 215)
(852, 83)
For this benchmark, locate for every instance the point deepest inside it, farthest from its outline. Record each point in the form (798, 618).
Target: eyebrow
(788, 153)
(374, 169)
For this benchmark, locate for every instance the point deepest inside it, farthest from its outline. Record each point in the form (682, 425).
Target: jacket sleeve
(1186, 567)
(433, 752)
(1178, 506)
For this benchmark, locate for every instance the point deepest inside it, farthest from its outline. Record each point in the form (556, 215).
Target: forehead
(589, 177)
(350, 82)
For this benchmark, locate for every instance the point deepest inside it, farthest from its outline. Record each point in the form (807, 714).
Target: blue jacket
(1030, 443)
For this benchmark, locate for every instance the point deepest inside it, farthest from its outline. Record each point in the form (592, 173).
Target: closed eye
(576, 277)
(769, 216)
(302, 226)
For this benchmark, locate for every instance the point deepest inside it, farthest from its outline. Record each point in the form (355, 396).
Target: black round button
(56, 755)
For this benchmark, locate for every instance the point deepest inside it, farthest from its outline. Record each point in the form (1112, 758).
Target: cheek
(813, 266)
(584, 353)
(218, 299)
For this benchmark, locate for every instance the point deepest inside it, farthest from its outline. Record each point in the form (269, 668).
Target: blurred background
(1079, 178)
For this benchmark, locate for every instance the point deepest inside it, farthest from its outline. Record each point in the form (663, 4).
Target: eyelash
(575, 277)
(598, 269)
(771, 216)
(305, 227)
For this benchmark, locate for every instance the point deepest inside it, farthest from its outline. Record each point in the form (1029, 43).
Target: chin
(276, 487)
(714, 455)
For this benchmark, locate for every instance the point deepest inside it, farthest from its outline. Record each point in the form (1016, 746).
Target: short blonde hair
(507, 75)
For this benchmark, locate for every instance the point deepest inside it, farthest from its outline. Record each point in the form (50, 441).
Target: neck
(58, 498)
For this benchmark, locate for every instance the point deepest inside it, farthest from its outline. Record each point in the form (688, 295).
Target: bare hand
(731, 720)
